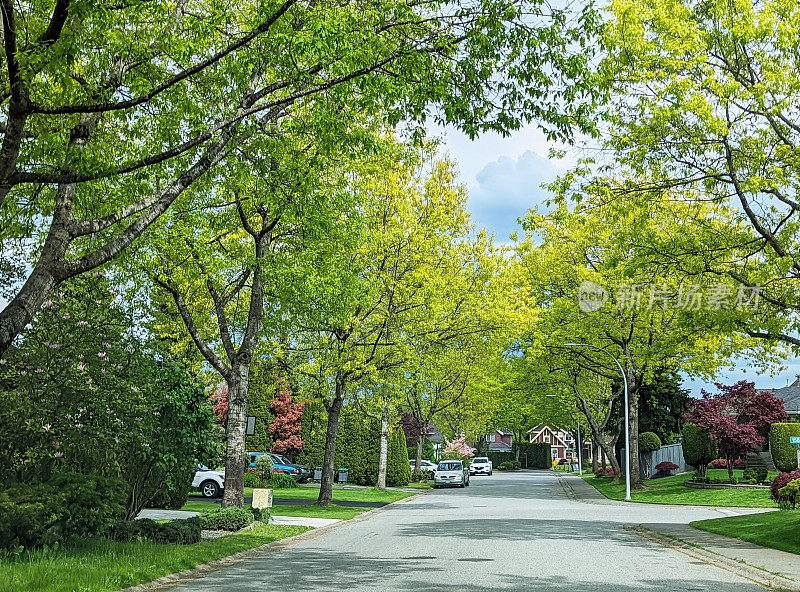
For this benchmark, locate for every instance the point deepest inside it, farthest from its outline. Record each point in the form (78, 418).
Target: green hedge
(784, 454)
(537, 454)
(357, 446)
(176, 532)
(698, 448)
(498, 458)
(532, 455)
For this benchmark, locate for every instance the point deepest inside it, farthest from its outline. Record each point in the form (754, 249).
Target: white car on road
(451, 473)
(207, 482)
(480, 465)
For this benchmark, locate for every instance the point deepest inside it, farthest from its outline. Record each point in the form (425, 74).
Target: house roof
(499, 447)
(790, 396)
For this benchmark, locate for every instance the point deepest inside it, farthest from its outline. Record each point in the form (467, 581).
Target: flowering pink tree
(737, 418)
(458, 448)
(285, 430)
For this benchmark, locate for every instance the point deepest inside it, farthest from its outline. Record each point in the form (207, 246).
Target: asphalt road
(520, 531)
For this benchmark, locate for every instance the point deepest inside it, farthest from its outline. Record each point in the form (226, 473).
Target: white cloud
(506, 188)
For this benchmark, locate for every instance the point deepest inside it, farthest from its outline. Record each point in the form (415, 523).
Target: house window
(491, 438)
(547, 438)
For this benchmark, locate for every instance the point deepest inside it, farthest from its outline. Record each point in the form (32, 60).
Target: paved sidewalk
(302, 521)
(786, 565)
(166, 514)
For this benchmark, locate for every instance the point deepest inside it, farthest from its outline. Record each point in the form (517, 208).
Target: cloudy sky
(504, 177)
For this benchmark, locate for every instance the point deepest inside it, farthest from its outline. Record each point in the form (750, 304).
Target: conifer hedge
(784, 454)
(357, 446)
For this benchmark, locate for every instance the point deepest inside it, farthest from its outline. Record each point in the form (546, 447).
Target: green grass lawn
(777, 530)
(670, 490)
(100, 565)
(310, 511)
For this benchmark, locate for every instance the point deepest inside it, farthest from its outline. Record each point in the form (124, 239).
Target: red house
(499, 441)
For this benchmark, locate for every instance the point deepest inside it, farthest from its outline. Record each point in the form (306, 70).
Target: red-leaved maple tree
(285, 430)
(219, 403)
(737, 418)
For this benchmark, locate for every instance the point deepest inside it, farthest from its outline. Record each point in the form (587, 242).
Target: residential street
(520, 531)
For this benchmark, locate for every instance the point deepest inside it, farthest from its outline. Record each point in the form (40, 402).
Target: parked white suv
(480, 465)
(207, 482)
(424, 465)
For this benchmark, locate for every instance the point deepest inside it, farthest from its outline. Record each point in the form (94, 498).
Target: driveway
(519, 531)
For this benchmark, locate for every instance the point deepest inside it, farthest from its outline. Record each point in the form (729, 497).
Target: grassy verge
(420, 485)
(777, 530)
(102, 565)
(671, 490)
(314, 511)
(344, 495)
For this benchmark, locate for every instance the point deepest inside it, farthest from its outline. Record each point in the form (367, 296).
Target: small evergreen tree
(398, 471)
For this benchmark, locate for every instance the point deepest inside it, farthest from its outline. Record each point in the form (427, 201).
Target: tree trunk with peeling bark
(383, 459)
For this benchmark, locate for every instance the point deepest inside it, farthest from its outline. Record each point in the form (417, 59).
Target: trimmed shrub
(280, 481)
(251, 480)
(787, 495)
(698, 448)
(781, 481)
(755, 475)
(226, 519)
(784, 454)
(398, 471)
(511, 465)
(177, 532)
(649, 442)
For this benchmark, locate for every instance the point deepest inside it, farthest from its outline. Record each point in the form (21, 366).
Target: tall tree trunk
(236, 456)
(595, 453)
(418, 457)
(597, 435)
(730, 468)
(633, 427)
(383, 460)
(334, 411)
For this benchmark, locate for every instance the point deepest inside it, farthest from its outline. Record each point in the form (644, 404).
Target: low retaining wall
(698, 485)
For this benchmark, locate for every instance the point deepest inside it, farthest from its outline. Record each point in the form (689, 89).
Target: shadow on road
(314, 570)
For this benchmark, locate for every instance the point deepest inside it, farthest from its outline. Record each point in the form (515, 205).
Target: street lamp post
(627, 431)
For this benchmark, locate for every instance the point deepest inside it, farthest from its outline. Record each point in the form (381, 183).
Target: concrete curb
(738, 567)
(199, 571)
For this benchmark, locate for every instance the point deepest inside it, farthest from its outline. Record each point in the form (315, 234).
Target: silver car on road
(451, 473)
